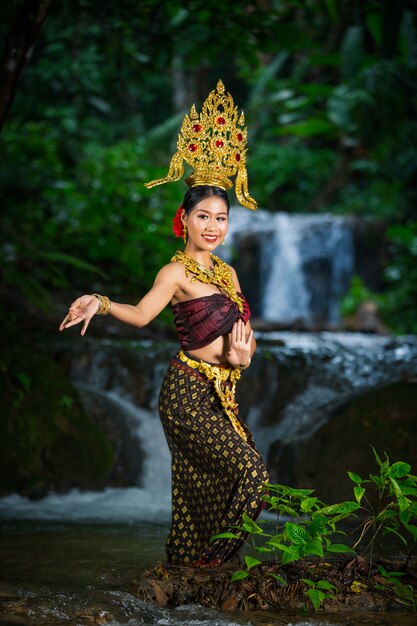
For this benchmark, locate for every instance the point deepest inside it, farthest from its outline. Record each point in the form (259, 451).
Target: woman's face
(207, 223)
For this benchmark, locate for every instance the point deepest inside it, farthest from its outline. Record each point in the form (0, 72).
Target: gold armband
(104, 304)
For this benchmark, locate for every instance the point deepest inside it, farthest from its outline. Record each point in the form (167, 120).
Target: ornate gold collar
(220, 275)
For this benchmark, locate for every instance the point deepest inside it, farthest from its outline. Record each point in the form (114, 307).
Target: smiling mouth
(210, 237)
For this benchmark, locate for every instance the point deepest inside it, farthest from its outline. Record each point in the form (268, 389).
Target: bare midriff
(215, 352)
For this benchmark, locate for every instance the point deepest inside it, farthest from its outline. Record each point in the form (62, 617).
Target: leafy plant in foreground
(395, 508)
(385, 503)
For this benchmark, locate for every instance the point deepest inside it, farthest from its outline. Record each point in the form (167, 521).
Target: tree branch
(19, 44)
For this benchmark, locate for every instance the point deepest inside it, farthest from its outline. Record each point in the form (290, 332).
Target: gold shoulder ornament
(213, 143)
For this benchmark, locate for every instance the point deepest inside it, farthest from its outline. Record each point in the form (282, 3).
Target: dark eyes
(204, 216)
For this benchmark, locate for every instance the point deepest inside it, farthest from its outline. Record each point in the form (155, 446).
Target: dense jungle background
(92, 95)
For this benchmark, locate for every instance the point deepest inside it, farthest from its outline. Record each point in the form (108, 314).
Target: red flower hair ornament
(177, 225)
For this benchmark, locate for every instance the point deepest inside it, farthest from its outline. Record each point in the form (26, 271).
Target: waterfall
(107, 377)
(301, 264)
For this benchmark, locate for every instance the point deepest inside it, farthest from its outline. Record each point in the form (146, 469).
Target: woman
(217, 472)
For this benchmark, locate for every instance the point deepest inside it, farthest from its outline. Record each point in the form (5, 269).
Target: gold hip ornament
(224, 381)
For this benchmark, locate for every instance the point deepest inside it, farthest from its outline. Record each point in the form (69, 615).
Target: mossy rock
(384, 418)
(48, 441)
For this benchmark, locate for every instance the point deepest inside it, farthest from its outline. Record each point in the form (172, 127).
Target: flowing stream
(79, 573)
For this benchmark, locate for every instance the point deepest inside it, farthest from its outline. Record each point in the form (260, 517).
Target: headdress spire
(213, 143)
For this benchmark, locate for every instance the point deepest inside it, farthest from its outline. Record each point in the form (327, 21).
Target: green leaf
(405, 516)
(340, 511)
(403, 502)
(325, 584)
(358, 491)
(313, 547)
(278, 578)
(378, 460)
(239, 575)
(296, 533)
(289, 550)
(339, 547)
(318, 525)
(290, 555)
(287, 510)
(262, 549)
(250, 525)
(225, 535)
(377, 480)
(251, 562)
(308, 582)
(412, 529)
(276, 542)
(308, 504)
(355, 478)
(399, 469)
(316, 596)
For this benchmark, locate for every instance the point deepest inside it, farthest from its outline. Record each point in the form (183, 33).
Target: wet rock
(383, 418)
(95, 616)
(366, 319)
(48, 440)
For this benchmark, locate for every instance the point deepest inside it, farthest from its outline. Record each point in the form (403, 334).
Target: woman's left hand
(240, 345)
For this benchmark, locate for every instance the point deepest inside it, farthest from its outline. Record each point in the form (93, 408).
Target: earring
(184, 233)
(223, 242)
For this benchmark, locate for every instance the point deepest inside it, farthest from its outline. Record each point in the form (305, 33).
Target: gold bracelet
(104, 304)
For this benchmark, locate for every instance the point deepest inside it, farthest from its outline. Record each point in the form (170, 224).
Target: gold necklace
(220, 275)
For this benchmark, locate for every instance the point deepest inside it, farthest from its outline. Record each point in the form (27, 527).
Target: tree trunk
(18, 47)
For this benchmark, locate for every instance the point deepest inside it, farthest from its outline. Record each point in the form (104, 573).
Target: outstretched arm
(166, 284)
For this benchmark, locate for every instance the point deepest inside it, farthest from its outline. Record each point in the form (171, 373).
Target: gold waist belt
(224, 379)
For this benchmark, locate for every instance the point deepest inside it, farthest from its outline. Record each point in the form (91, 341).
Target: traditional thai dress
(217, 472)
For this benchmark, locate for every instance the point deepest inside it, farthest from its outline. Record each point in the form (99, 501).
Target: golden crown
(214, 144)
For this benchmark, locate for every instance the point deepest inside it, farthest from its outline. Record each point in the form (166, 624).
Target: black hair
(196, 194)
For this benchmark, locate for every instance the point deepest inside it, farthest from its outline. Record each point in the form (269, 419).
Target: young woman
(217, 472)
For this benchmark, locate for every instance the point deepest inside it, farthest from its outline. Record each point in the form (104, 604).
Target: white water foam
(124, 504)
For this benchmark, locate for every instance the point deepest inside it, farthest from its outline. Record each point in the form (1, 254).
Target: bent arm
(149, 307)
(157, 298)
(248, 327)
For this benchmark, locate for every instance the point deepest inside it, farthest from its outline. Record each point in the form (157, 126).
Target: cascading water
(106, 384)
(304, 263)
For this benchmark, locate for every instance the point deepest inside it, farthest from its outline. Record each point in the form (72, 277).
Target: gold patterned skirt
(217, 474)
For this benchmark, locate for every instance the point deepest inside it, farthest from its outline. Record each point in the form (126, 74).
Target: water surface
(56, 572)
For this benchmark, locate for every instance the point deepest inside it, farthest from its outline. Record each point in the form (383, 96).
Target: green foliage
(392, 584)
(393, 511)
(329, 91)
(358, 294)
(48, 440)
(385, 504)
(398, 302)
(85, 225)
(318, 591)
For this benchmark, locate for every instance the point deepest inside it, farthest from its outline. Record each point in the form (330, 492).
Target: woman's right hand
(81, 310)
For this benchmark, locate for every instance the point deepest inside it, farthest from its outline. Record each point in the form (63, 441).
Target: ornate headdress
(214, 144)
